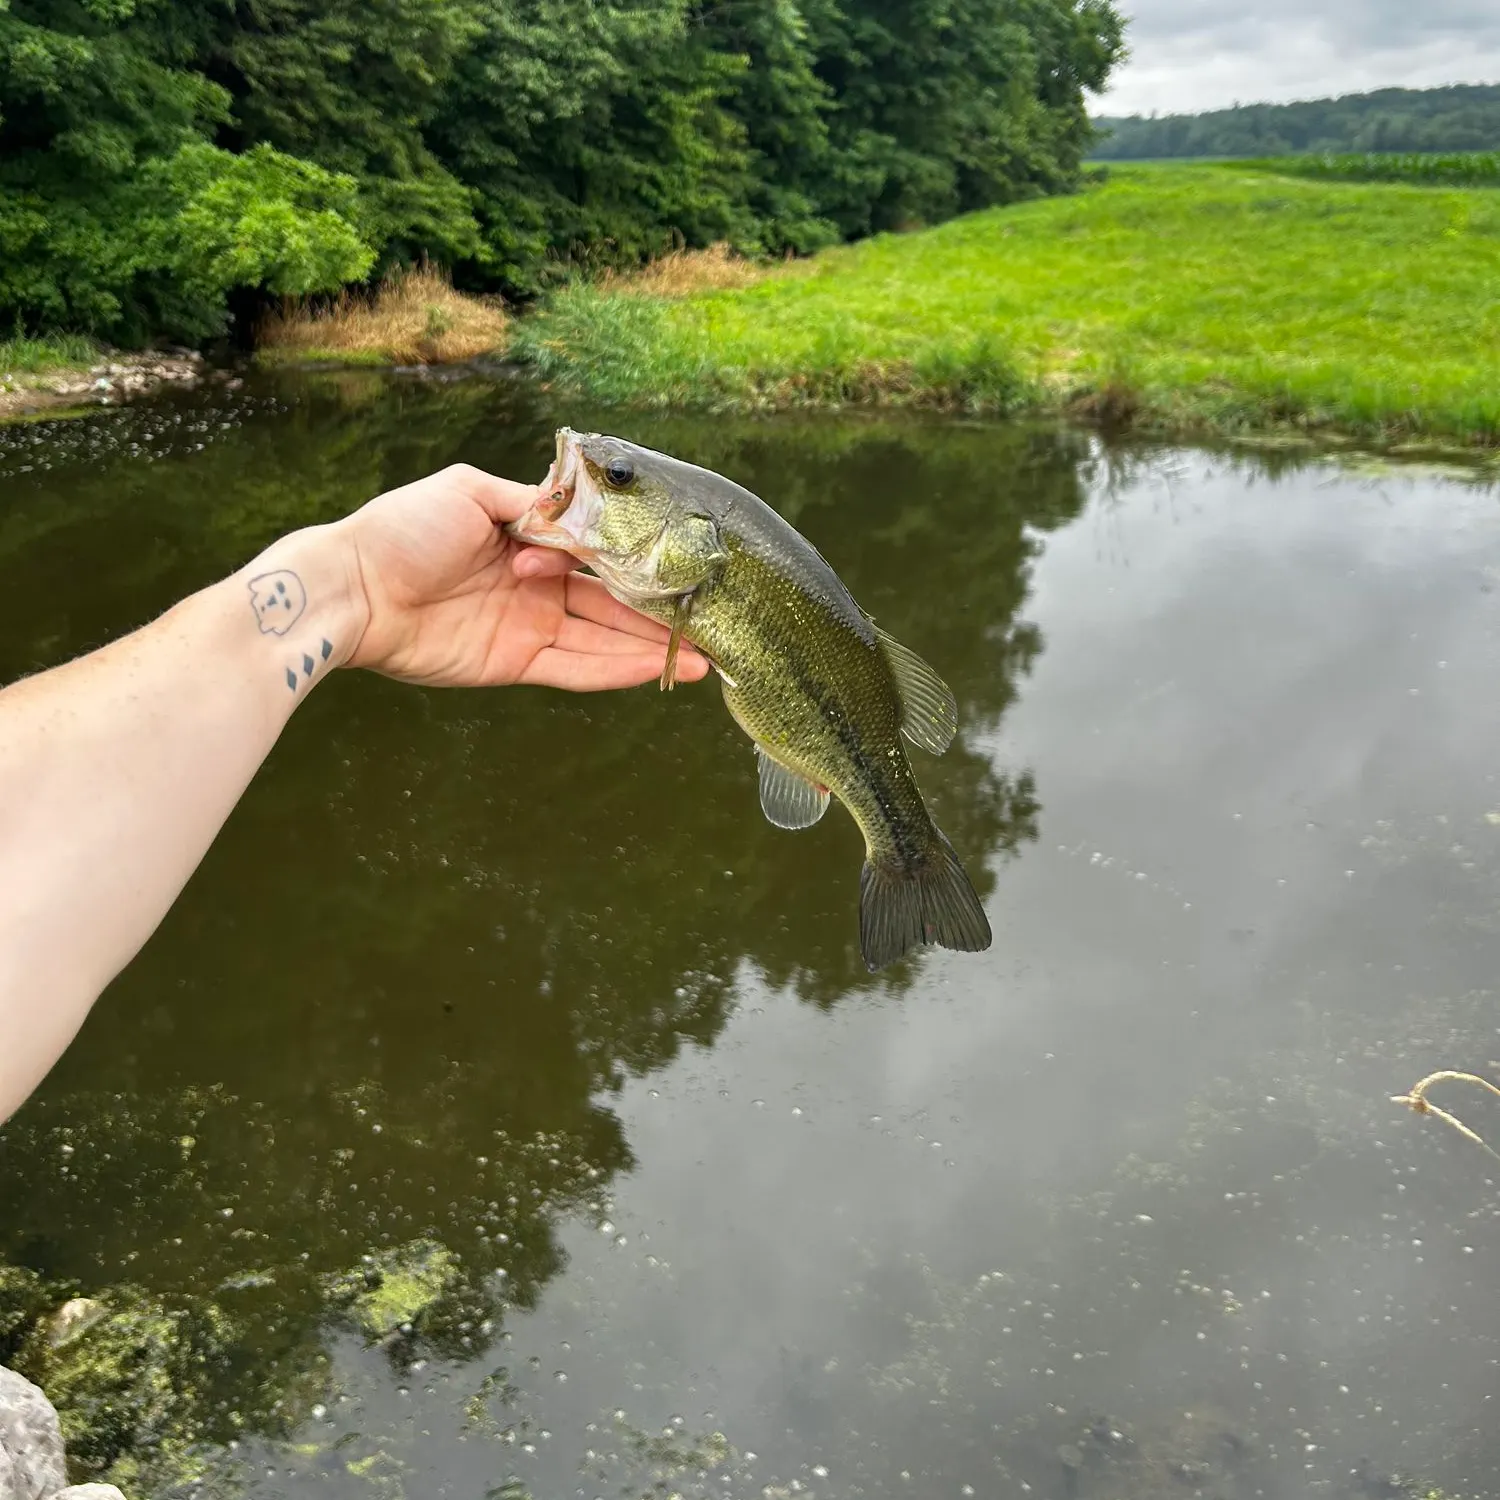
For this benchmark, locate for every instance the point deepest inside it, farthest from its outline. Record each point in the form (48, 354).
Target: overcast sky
(1206, 54)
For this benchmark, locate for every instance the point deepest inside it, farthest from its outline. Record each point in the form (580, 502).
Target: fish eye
(618, 472)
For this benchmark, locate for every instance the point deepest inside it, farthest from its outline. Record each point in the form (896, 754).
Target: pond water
(513, 1000)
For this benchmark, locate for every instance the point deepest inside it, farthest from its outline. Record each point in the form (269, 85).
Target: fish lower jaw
(638, 598)
(538, 529)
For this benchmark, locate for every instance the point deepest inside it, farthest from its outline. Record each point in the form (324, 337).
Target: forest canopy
(162, 159)
(1464, 117)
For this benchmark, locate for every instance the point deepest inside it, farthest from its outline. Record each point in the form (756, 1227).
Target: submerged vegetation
(134, 1380)
(1187, 297)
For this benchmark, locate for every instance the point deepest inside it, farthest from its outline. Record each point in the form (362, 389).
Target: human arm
(118, 769)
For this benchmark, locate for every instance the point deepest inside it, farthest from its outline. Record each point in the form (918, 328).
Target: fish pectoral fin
(789, 800)
(929, 711)
(680, 616)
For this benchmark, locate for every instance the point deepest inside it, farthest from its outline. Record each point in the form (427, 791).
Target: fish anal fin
(788, 800)
(929, 712)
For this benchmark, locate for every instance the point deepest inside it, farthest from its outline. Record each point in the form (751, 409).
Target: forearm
(117, 770)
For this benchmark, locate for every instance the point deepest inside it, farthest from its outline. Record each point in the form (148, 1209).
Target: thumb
(500, 499)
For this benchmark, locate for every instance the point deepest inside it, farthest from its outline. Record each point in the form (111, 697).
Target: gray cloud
(1206, 54)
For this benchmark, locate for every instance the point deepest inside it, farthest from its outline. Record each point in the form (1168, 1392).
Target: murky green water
(516, 994)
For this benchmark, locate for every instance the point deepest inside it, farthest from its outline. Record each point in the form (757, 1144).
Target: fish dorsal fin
(929, 712)
(787, 799)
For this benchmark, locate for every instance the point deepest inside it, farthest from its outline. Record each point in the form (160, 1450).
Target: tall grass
(413, 317)
(1430, 169)
(56, 351)
(1186, 297)
(627, 348)
(681, 273)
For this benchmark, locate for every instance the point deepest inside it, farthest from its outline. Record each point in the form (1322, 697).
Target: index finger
(500, 499)
(590, 600)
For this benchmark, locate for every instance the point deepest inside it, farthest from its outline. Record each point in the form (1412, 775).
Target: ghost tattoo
(278, 599)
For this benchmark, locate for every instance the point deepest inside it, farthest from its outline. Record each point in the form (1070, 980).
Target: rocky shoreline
(111, 381)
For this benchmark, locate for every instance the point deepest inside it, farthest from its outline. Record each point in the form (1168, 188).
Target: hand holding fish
(117, 769)
(451, 600)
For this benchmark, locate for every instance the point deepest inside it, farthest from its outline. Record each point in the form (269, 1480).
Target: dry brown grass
(681, 273)
(1418, 1102)
(414, 317)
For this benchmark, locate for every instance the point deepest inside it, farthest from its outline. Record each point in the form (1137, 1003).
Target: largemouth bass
(825, 695)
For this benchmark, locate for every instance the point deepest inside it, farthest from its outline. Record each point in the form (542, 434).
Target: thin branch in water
(1418, 1102)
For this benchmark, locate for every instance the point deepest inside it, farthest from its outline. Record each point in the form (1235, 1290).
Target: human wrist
(305, 597)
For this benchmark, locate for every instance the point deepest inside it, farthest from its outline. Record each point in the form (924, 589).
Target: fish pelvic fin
(787, 799)
(902, 907)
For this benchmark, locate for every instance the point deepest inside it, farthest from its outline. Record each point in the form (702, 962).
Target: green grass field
(1187, 297)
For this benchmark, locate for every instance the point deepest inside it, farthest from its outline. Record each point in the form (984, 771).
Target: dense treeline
(1463, 117)
(160, 159)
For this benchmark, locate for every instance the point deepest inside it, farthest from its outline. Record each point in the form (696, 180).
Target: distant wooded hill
(1463, 117)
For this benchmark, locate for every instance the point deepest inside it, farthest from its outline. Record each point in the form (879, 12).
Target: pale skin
(118, 769)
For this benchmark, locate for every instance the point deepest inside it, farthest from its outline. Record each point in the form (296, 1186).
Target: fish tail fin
(902, 906)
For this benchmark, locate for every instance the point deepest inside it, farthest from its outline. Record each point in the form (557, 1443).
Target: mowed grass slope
(1187, 296)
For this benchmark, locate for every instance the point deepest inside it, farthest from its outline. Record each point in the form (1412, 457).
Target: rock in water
(32, 1465)
(74, 1316)
(89, 1492)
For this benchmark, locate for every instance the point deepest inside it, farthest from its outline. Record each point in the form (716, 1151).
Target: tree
(1460, 118)
(116, 214)
(158, 157)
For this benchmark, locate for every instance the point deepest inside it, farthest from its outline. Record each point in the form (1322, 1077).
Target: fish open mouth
(561, 479)
(553, 520)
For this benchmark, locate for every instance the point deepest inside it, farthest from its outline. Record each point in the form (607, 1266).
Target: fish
(826, 696)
